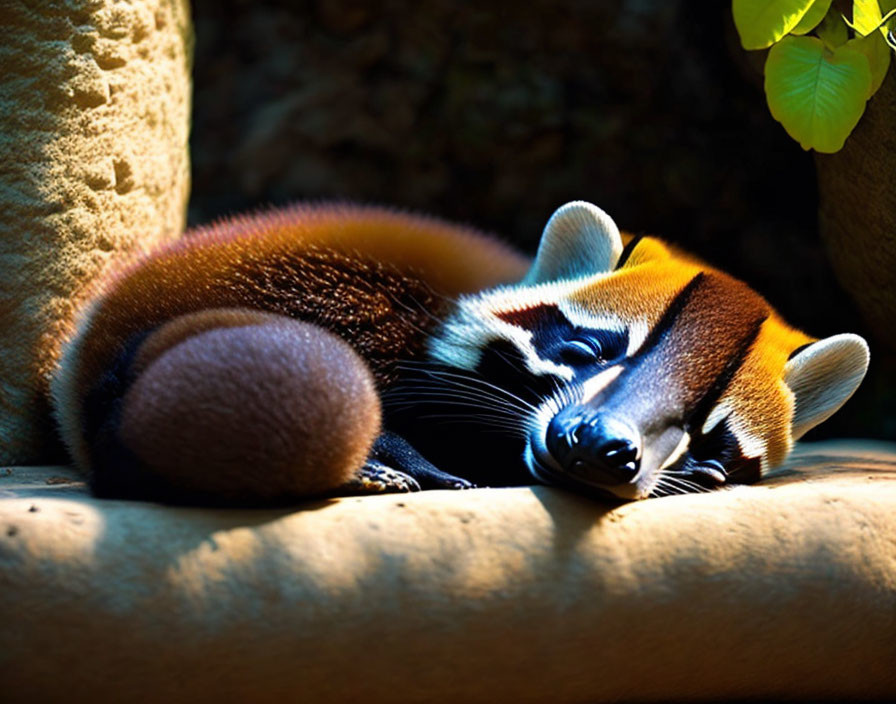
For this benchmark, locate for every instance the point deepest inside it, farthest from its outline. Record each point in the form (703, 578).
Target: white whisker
(465, 398)
(453, 377)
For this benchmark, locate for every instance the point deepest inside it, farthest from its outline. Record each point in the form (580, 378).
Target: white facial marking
(593, 386)
(474, 324)
(579, 315)
(637, 333)
(751, 446)
(716, 416)
(676, 454)
(538, 427)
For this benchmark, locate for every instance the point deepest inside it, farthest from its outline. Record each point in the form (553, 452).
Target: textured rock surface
(782, 590)
(94, 115)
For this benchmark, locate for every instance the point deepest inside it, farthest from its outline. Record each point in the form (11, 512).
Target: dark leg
(396, 452)
(394, 466)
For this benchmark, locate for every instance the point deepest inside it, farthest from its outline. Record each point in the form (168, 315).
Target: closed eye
(581, 350)
(585, 347)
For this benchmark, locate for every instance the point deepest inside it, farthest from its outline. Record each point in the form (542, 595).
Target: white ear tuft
(823, 376)
(579, 240)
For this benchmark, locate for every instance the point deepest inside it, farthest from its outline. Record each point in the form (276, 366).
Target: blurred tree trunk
(857, 212)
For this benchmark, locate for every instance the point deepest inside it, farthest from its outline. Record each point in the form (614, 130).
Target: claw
(378, 478)
(461, 484)
(394, 451)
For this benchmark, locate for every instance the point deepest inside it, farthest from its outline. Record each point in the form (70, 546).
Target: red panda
(320, 349)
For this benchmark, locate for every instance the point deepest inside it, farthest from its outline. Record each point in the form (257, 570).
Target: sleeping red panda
(320, 349)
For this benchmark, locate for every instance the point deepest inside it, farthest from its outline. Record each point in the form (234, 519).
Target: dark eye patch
(556, 339)
(720, 445)
(582, 349)
(502, 365)
(585, 347)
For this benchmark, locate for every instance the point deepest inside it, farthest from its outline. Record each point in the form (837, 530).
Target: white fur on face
(474, 325)
(636, 329)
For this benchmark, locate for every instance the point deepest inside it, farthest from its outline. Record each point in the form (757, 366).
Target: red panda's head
(639, 370)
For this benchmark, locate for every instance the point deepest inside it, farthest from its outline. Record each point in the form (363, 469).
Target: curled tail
(231, 405)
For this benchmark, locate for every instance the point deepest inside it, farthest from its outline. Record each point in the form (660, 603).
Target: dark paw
(377, 478)
(395, 451)
(454, 483)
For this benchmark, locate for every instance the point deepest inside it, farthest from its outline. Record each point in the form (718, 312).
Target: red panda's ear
(822, 376)
(579, 240)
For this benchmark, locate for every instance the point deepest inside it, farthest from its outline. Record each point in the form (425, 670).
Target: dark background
(496, 113)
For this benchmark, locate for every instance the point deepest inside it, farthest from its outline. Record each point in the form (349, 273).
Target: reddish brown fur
(376, 278)
(306, 263)
(718, 324)
(271, 410)
(178, 330)
(228, 381)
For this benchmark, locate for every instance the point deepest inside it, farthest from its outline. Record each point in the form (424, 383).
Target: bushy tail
(237, 406)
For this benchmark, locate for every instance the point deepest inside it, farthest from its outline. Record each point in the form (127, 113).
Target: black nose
(594, 446)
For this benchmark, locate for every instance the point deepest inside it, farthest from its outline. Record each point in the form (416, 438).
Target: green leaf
(811, 19)
(760, 23)
(877, 52)
(818, 96)
(832, 30)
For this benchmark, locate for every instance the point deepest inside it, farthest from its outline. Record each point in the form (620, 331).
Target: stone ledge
(785, 589)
